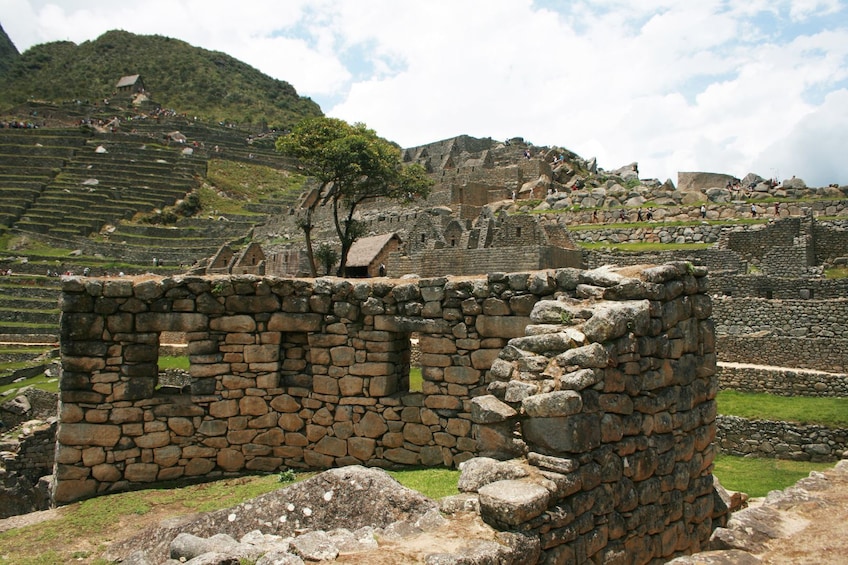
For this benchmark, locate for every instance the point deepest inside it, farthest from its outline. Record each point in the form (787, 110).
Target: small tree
(352, 164)
(327, 256)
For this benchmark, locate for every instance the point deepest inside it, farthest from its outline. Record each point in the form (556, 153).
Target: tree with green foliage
(327, 256)
(353, 165)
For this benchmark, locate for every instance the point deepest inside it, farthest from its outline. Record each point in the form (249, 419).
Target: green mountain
(188, 79)
(8, 52)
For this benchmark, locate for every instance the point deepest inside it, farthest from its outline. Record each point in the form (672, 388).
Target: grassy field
(757, 476)
(831, 412)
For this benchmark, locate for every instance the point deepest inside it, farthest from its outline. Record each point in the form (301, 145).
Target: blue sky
(732, 86)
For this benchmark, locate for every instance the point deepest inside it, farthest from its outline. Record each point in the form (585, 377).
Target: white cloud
(723, 85)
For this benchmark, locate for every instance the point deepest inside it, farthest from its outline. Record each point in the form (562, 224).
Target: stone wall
(429, 263)
(781, 440)
(781, 381)
(822, 319)
(716, 260)
(810, 334)
(783, 288)
(612, 376)
(829, 355)
(616, 411)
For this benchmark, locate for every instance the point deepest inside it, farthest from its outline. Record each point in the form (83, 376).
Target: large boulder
(699, 181)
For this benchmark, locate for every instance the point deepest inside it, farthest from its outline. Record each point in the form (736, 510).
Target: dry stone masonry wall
(615, 405)
(810, 334)
(604, 379)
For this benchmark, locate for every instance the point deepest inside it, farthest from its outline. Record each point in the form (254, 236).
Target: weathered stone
(572, 434)
(480, 471)
(593, 355)
(512, 502)
(488, 409)
(505, 326)
(553, 404)
(371, 426)
(89, 434)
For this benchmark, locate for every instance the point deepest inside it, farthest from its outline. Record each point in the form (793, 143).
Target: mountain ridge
(188, 79)
(8, 52)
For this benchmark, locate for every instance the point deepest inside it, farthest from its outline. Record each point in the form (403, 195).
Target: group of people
(18, 124)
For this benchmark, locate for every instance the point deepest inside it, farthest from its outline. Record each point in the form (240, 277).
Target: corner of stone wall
(610, 398)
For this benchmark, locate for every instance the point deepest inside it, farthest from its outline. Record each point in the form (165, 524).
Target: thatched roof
(364, 250)
(128, 80)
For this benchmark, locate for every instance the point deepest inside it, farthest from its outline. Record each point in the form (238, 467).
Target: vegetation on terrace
(208, 84)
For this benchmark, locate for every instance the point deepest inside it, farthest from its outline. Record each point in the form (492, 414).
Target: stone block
(261, 353)
(572, 434)
(371, 426)
(351, 386)
(512, 502)
(325, 385)
(342, 356)
(171, 322)
(167, 456)
(442, 402)
(437, 345)
(462, 375)
(294, 322)
(501, 326)
(489, 410)
(401, 456)
(417, 434)
(153, 439)
(332, 446)
(89, 434)
(252, 304)
(553, 404)
(141, 472)
(382, 386)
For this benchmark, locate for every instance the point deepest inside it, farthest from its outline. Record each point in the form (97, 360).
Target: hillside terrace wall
(313, 373)
(779, 288)
(431, 262)
(830, 355)
(780, 440)
(716, 260)
(781, 381)
(811, 334)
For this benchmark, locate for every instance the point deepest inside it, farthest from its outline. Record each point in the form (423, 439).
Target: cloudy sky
(732, 86)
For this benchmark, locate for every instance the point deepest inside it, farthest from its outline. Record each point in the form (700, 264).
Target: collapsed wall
(614, 406)
(610, 375)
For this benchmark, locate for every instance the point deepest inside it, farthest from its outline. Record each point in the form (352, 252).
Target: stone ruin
(602, 381)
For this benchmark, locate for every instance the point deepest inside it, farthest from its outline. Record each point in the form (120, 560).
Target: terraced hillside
(101, 199)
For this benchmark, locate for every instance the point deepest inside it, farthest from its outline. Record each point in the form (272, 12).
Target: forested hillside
(198, 82)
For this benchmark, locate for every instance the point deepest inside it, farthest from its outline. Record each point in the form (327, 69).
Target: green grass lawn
(831, 412)
(415, 379)
(759, 475)
(41, 382)
(173, 362)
